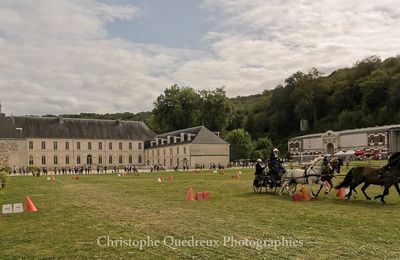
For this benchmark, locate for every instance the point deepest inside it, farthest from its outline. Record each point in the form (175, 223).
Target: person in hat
(259, 168)
(275, 164)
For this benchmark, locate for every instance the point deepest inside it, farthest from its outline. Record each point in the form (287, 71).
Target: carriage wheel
(272, 186)
(257, 186)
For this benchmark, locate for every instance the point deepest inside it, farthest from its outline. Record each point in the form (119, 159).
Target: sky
(107, 56)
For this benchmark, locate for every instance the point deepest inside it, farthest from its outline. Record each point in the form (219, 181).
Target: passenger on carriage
(259, 168)
(275, 164)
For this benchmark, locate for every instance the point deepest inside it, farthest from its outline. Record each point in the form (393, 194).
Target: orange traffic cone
(297, 196)
(189, 194)
(53, 178)
(206, 195)
(171, 178)
(304, 192)
(341, 193)
(199, 196)
(29, 205)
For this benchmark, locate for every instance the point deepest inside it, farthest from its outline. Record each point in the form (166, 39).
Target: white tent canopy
(345, 153)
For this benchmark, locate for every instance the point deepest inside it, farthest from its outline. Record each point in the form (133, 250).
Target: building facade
(56, 143)
(66, 143)
(195, 147)
(382, 139)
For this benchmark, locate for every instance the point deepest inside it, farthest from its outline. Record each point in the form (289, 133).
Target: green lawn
(73, 214)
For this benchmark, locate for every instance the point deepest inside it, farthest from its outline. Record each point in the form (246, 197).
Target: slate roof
(201, 135)
(73, 128)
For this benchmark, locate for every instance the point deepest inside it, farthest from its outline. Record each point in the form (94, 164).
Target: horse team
(322, 173)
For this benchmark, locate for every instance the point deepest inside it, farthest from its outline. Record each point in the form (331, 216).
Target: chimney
(19, 130)
(182, 137)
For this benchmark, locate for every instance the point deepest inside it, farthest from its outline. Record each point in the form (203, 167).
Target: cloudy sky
(71, 56)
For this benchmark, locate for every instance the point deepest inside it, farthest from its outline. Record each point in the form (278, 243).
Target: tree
(4, 176)
(177, 108)
(216, 109)
(262, 148)
(240, 144)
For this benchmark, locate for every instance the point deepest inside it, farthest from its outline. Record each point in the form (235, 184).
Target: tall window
(110, 159)
(110, 146)
(170, 162)
(30, 160)
(67, 159)
(55, 146)
(89, 146)
(100, 146)
(164, 152)
(120, 159)
(30, 145)
(100, 159)
(43, 145)
(140, 146)
(152, 153)
(43, 160)
(78, 160)
(78, 145)
(66, 145)
(130, 146)
(165, 162)
(170, 152)
(158, 152)
(184, 150)
(130, 159)
(140, 159)
(55, 160)
(177, 150)
(120, 146)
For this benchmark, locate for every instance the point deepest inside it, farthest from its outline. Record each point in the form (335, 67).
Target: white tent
(345, 153)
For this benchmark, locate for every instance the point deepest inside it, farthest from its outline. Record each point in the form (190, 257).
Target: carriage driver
(275, 164)
(259, 168)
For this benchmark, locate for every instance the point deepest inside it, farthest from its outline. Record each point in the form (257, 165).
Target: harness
(306, 175)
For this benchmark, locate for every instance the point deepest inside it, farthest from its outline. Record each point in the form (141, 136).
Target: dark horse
(387, 176)
(335, 163)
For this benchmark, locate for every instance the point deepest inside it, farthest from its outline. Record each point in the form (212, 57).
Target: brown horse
(335, 163)
(386, 176)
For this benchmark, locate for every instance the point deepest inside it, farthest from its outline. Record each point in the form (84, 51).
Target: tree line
(366, 94)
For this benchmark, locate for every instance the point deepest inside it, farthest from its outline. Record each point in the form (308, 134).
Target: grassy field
(73, 214)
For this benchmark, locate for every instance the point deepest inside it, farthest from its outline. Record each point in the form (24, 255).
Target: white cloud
(56, 57)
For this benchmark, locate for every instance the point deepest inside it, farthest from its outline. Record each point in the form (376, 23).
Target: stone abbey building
(382, 139)
(56, 142)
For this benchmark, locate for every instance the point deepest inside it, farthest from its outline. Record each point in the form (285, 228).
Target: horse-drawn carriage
(269, 181)
(317, 172)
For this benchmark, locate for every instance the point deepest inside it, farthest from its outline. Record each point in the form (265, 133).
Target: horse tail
(347, 180)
